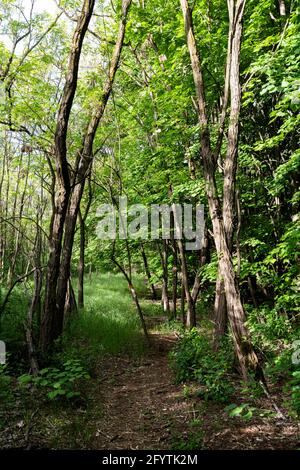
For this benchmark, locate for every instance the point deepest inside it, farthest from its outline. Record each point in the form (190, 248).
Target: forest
(149, 225)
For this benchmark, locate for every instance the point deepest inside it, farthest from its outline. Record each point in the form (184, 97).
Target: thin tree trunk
(81, 262)
(182, 302)
(175, 280)
(35, 302)
(164, 264)
(220, 309)
(282, 8)
(133, 294)
(190, 313)
(148, 274)
(204, 254)
(18, 233)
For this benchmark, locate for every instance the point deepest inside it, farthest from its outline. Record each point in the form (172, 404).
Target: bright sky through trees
(40, 6)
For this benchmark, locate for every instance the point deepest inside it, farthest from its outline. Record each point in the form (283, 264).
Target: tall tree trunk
(164, 264)
(83, 167)
(81, 265)
(35, 301)
(190, 313)
(243, 347)
(175, 280)
(52, 321)
(220, 309)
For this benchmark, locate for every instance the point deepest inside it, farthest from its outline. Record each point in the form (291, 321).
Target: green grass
(108, 324)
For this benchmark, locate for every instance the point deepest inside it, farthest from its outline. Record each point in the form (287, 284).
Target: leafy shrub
(58, 383)
(247, 411)
(195, 359)
(5, 385)
(295, 392)
(267, 327)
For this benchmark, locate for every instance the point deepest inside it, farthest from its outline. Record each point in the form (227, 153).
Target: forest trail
(142, 408)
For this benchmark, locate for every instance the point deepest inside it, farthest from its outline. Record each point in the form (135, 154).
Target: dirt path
(143, 409)
(134, 404)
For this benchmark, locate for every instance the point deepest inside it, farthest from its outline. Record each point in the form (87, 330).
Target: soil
(135, 404)
(144, 409)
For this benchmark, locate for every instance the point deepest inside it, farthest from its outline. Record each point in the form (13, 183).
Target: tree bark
(164, 264)
(175, 280)
(243, 347)
(83, 167)
(52, 320)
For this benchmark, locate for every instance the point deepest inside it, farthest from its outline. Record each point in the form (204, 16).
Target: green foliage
(5, 385)
(195, 359)
(295, 392)
(58, 383)
(193, 440)
(247, 412)
(268, 327)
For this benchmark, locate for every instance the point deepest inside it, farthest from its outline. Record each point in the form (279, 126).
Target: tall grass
(109, 323)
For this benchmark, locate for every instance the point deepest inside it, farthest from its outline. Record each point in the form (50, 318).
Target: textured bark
(220, 309)
(70, 303)
(52, 320)
(244, 350)
(83, 167)
(230, 164)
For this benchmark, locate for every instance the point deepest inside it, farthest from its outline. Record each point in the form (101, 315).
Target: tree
(222, 222)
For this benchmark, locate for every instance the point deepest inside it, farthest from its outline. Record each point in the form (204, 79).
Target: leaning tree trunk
(51, 325)
(83, 167)
(243, 347)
